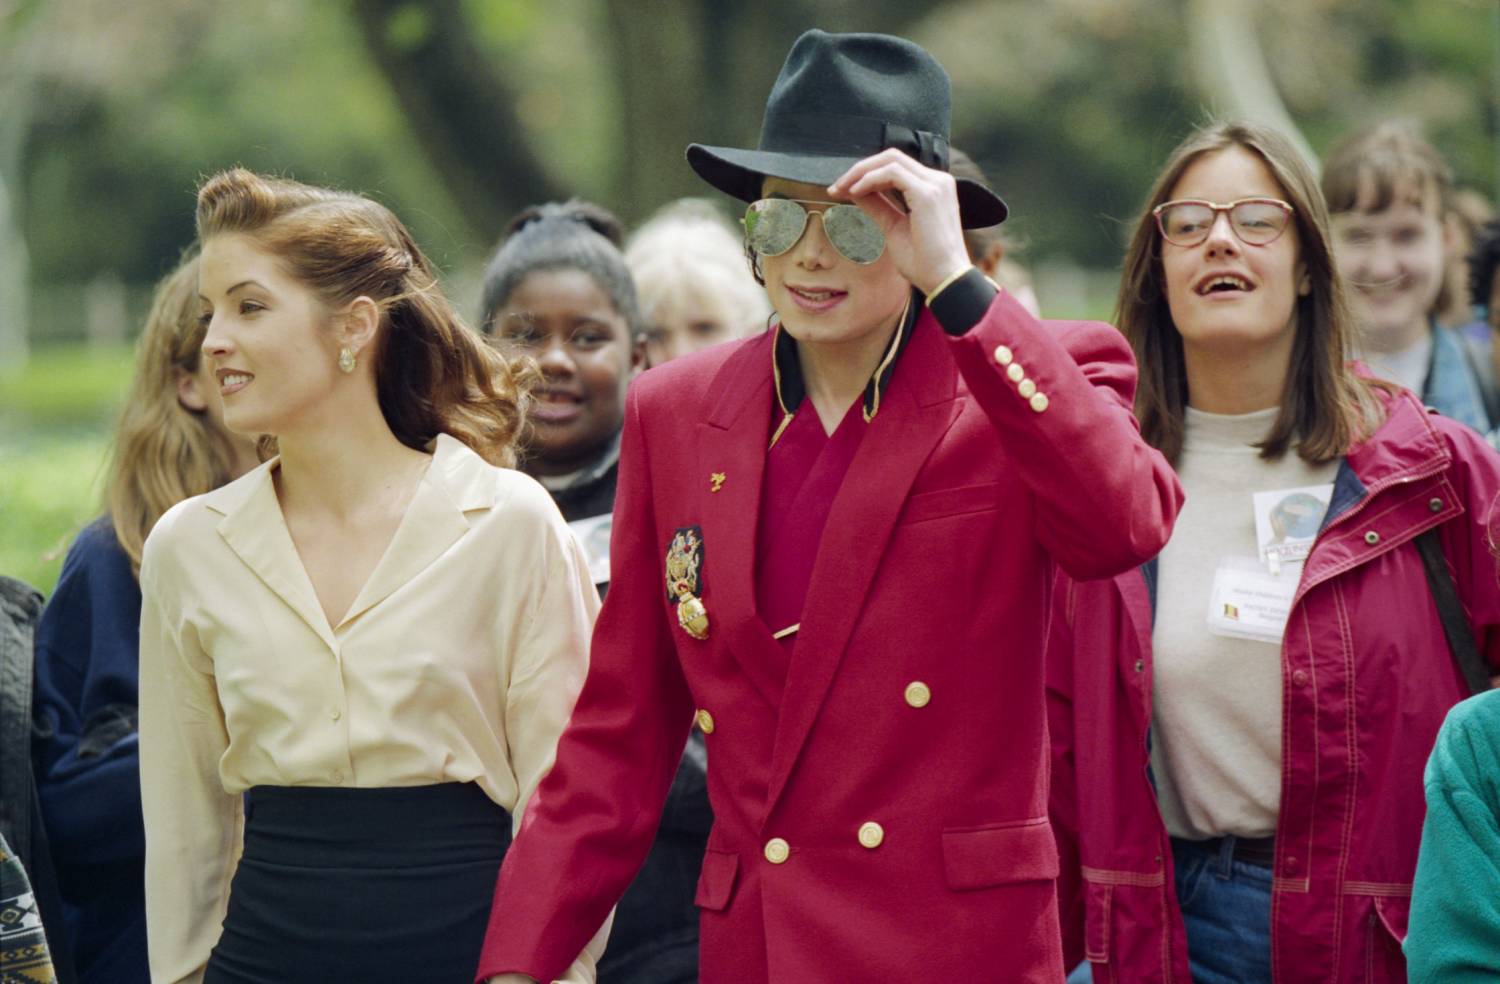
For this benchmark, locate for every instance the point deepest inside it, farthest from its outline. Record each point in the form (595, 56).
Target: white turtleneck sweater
(1216, 722)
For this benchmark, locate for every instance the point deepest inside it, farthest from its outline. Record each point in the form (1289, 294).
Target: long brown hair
(433, 374)
(163, 452)
(1324, 406)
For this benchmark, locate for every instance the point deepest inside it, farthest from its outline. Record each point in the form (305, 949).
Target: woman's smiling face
(268, 338)
(566, 321)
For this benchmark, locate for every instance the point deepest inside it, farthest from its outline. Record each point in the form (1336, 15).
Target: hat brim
(740, 173)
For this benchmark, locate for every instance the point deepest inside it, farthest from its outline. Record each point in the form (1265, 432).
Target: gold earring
(346, 359)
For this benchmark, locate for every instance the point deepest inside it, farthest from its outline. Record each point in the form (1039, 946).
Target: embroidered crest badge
(685, 580)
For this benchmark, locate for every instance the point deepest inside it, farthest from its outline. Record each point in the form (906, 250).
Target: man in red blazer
(831, 552)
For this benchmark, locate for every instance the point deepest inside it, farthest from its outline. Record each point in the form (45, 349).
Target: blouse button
(918, 694)
(1372, 538)
(335, 714)
(1435, 504)
(337, 777)
(1003, 355)
(1299, 677)
(1140, 666)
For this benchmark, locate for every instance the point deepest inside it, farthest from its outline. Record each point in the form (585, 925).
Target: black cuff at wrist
(960, 305)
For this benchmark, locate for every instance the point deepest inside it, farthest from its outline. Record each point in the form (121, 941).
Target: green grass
(48, 491)
(66, 386)
(55, 419)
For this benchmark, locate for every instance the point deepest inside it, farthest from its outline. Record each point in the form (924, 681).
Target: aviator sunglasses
(773, 226)
(1256, 221)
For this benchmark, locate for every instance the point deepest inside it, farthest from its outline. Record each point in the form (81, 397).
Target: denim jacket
(1453, 385)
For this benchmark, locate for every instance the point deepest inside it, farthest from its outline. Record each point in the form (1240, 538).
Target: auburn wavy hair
(433, 373)
(163, 452)
(1324, 406)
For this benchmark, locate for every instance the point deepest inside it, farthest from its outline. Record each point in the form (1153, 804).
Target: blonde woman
(694, 280)
(357, 658)
(170, 444)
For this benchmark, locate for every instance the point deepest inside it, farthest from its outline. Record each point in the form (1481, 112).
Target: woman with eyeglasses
(831, 549)
(1239, 727)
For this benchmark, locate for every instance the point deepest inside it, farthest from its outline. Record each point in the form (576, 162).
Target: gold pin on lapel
(716, 481)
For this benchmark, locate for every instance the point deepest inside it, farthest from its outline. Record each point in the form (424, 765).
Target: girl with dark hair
(1239, 727)
(558, 291)
(830, 552)
(356, 659)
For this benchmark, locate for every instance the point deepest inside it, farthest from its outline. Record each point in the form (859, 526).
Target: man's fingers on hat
(916, 183)
(861, 168)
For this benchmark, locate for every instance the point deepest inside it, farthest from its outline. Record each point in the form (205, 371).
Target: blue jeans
(1226, 908)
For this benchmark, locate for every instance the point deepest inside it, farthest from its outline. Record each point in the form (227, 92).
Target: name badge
(1249, 602)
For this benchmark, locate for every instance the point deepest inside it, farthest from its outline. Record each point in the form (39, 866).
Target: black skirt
(366, 885)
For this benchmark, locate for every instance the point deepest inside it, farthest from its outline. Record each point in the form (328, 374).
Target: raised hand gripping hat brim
(839, 99)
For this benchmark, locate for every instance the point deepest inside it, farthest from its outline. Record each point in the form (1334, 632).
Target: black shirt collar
(791, 389)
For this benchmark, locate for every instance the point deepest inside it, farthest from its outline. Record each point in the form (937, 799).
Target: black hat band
(800, 132)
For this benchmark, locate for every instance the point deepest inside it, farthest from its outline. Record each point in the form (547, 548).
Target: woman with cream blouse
(356, 659)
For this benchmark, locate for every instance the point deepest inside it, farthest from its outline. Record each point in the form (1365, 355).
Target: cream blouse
(459, 661)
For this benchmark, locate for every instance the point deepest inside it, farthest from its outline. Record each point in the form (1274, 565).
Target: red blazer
(915, 830)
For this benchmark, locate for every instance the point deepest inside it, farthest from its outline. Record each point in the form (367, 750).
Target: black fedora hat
(839, 99)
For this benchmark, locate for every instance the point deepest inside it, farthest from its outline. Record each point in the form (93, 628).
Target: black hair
(572, 235)
(1482, 264)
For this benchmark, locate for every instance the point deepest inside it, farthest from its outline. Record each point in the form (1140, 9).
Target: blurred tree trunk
(18, 96)
(15, 281)
(661, 89)
(685, 71)
(1231, 68)
(461, 109)
(700, 70)
(693, 71)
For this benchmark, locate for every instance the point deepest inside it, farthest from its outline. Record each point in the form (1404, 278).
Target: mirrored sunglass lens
(773, 225)
(853, 233)
(1183, 224)
(1258, 222)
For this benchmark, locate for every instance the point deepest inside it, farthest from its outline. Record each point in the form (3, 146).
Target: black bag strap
(1451, 613)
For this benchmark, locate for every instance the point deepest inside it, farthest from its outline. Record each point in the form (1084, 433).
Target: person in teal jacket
(1454, 933)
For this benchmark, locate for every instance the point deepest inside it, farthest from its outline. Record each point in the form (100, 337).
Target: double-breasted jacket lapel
(917, 409)
(255, 529)
(732, 442)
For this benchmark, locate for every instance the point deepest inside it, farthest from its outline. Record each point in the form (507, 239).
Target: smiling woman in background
(558, 291)
(1389, 194)
(694, 280)
(1239, 727)
(361, 653)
